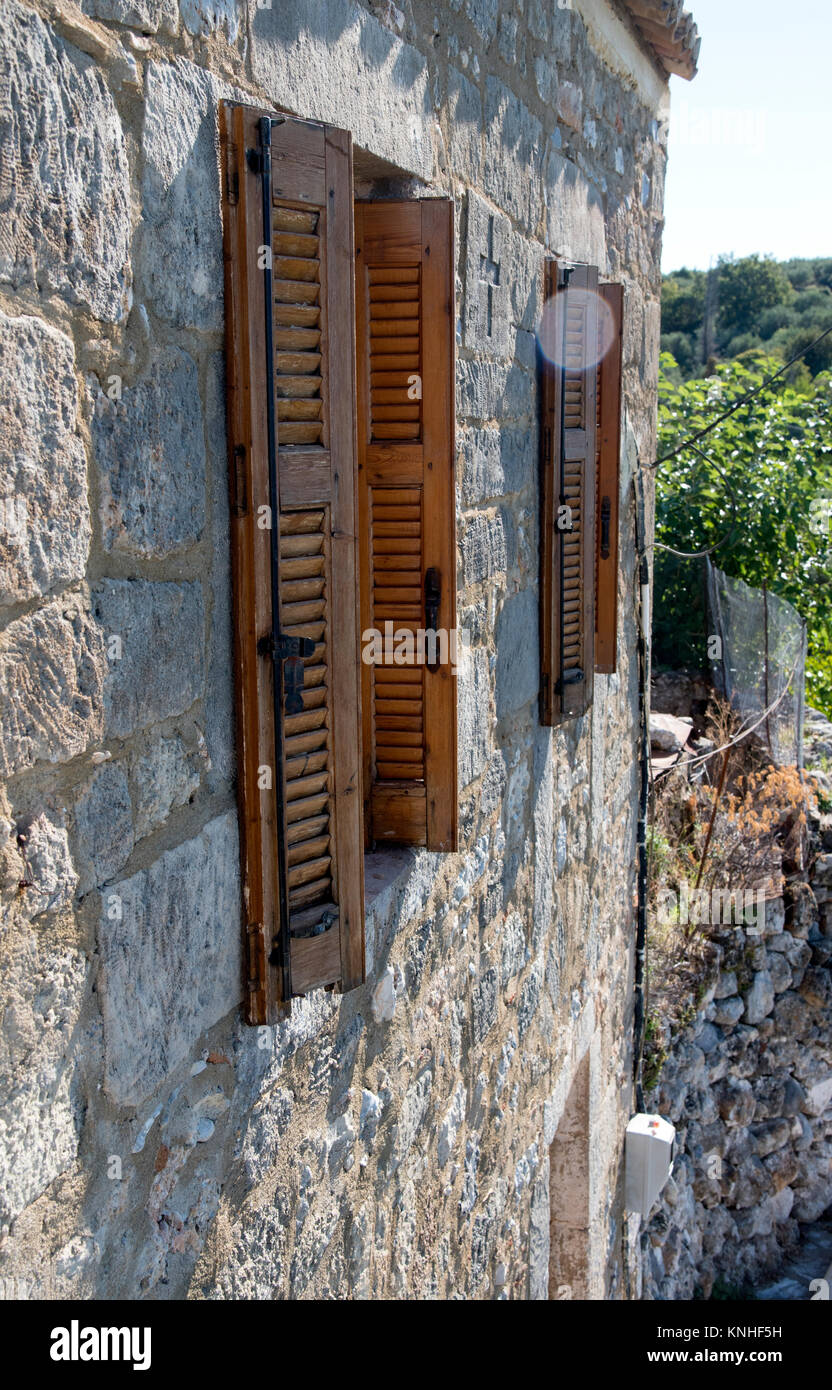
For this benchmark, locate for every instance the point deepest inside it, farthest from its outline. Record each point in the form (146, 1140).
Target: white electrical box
(648, 1160)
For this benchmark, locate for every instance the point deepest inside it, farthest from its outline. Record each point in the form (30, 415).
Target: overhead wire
(749, 396)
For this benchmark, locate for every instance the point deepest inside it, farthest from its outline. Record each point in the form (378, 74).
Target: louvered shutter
(300, 819)
(405, 363)
(607, 459)
(568, 427)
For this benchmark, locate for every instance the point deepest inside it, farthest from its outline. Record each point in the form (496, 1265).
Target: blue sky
(751, 137)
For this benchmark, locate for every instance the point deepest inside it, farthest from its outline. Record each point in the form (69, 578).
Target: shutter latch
(327, 920)
(569, 678)
(291, 651)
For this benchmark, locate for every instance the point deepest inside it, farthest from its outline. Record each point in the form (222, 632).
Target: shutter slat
(293, 220)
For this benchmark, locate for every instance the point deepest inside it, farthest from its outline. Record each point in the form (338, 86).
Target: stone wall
(395, 1141)
(748, 1085)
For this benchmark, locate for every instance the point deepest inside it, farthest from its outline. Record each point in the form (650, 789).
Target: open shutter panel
(405, 361)
(299, 774)
(568, 405)
(607, 455)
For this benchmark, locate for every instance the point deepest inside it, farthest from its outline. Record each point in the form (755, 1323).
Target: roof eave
(670, 31)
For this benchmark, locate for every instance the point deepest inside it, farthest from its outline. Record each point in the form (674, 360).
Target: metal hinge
(291, 651)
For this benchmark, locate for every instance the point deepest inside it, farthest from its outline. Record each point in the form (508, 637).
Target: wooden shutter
(568, 426)
(407, 508)
(300, 820)
(607, 459)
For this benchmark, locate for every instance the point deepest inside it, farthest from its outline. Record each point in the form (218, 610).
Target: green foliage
(776, 457)
(746, 288)
(683, 301)
(655, 1053)
(754, 302)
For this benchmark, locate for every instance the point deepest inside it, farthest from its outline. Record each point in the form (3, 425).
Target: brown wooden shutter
(607, 456)
(568, 427)
(407, 501)
(301, 836)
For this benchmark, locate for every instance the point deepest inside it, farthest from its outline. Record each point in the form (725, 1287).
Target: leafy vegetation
(748, 304)
(760, 482)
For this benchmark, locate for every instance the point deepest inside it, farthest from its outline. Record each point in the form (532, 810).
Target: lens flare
(576, 329)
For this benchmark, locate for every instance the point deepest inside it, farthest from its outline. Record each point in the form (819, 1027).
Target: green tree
(766, 472)
(746, 287)
(683, 302)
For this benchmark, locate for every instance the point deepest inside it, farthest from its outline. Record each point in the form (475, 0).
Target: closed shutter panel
(568, 405)
(607, 456)
(301, 840)
(405, 360)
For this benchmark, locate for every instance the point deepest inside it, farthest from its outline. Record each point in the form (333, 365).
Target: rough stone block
(512, 948)
(52, 671)
(337, 63)
(818, 1097)
(464, 105)
(735, 1099)
(778, 969)
(726, 985)
(570, 105)
(526, 278)
(484, 1005)
(727, 1012)
(574, 212)
(485, 547)
(518, 653)
(483, 15)
(783, 1167)
(219, 698)
(513, 154)
(496, 463)
(474, 713)
(40, 1118)
(816, 988)
(491, 390)
(770, 1135)
(66, 210)
(487, 279)
(44, 514)
(155, 640)
(48, 870)
(180, 255)
(184, 911)
(759, 1001)
(529, 1001)
(150, 452)
(148, 16)
(164, 775)
(212, 16)
(104, 827)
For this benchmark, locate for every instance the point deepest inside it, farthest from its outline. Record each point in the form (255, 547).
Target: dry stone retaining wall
(748, 1085)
